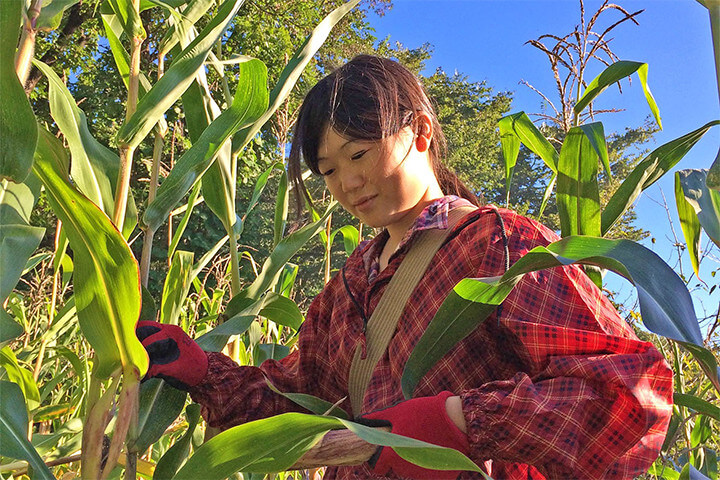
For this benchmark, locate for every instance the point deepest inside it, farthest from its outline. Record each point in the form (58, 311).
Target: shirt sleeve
(594, 401)
(231, 394)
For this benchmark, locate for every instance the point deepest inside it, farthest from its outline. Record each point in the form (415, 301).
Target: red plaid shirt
(554, 384)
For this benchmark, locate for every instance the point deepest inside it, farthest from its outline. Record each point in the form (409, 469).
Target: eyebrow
(319, 158)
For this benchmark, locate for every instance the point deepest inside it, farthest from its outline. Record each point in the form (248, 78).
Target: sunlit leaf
(288, 436)
(245, 306)
(292, 71)
(647, 172)
(282, 311)
(510, 143)
(282, 203)
(107, 283)
(21, 376)
(526, 131)
(176, 287)
(52, 12)
(250, 100)
(614, 73)
(351, 238)
(665, 303)
(94, 167)
(180, 229)
(314, 404)
(129, 18)
(689, 223)
(705, 202)
(578, 197)
(18, 129)
(177, 78)
(13, 430)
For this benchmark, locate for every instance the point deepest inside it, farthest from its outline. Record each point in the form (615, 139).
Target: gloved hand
(422, 418)
(174, 356)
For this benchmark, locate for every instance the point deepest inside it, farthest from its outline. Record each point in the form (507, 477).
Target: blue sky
(485, 39)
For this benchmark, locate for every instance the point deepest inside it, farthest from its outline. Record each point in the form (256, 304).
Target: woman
(553, 384)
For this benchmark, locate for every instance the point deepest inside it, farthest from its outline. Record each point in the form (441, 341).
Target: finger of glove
(145, 328)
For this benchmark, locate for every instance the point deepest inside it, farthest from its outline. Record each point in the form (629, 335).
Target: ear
(423, 132)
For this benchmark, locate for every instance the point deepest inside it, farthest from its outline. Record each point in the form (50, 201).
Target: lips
(363, 203)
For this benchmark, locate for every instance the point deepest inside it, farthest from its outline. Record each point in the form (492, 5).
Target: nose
(352, 178)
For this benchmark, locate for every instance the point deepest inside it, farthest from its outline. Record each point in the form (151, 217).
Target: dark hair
(368, 98)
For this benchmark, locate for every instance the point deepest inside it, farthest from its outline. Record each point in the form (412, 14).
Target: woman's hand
(424, 418)
(174, 356)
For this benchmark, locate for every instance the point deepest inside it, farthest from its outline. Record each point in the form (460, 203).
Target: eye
(327, 172)
(359, 155)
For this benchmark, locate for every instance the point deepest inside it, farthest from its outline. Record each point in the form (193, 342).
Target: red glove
(174, 356)
(423, 418)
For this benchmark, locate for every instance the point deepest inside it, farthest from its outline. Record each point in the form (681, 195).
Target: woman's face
(384, 183)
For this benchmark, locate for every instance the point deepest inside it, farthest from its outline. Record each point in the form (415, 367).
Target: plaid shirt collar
(433, 216)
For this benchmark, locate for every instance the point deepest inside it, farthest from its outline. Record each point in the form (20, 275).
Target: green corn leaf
(698, 404)
(176, 455)
(177, 78)
(177, 235)
(578, 197)
(18, 129)
(520, 125)
(52, 12)
(128, 17)
(595, 133)
(647, 172)
(250, 101)
(548, 193)
(94, 167)
(245, 306)
(21, 376)
(13, 430)
(160, 405)
(17, 243)
(287, 279)
(113, 30)
(282, 204)
(287, 437)
(17, 200)
(282, 311)
(292, 71)
(612, 74)
(351, 238)
(689, 472)
(194, 11)
(269, 351)
(316, 405)
(18, 240)
(510, 143)
(176, 287)
(689, 223)
(107, 283)
(713, 177)
(665, 303)
(281, 255)
(704, 202)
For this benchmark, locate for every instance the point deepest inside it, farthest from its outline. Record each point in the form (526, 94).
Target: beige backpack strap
(383, 322)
